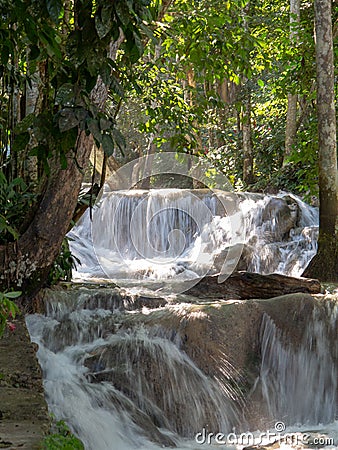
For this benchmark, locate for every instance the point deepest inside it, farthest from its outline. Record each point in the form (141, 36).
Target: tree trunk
(24, 263)
(325, 264)
(248, 177)
(291, 118)
(291, 125)
(31, 162)
(145, 178)
(246, 285)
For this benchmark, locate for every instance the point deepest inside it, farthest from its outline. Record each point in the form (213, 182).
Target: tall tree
(76, 73)
(291, 117)
(248, 176)
(325, 264)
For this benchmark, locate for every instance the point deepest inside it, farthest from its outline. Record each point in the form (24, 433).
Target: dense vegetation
(127, 78)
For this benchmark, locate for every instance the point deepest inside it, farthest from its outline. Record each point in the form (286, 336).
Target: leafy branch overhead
(67, 45)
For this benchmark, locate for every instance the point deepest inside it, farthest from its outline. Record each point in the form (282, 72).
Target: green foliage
(61, 439)
(8, 309)
(15, 202)
(168, 114)
(68, 50)
(202, 45)
(63, 265)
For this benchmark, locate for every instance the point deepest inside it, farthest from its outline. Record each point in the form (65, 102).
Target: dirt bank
(24, 417)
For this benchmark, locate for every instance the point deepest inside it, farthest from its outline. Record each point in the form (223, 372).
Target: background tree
(325, 264)
(291, 117)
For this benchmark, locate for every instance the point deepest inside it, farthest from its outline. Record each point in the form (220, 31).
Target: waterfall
(299, 381)
(116, 368)
(119, 383)
(131, 368)
(181, 234)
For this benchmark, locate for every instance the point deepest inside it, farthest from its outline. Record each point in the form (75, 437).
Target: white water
(181, 234)
(299, 383)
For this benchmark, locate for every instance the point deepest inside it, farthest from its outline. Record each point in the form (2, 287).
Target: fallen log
(248, 285)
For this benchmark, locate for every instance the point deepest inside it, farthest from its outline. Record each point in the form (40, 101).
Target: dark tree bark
(248, 175)
(325, 264)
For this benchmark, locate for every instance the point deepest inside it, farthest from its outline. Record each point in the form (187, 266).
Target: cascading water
(121, 367)
(117, 371)
(299, 382)
(121, 384)
(183, 234)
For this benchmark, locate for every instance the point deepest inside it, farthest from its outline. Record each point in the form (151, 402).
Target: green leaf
(107, 144)
(119, 139)
(4, 54)
(94, 62)
(65, 95)
(81, 114)
(47, 37)
(25, 123)
(93, 127)
(122, 13)
(131, 47)
(148, 32)
(63, 160)
(68, 139)
(4, 227)
(54, 9)
(105, 72)
(13, 294)
(34, 52)
(20, 142)
(18, 182)
(103, 22)
(138, 42)
(105, 124)
(74, 48)
(67, 119)
(260, 83)
(30, 28)
(116, 87)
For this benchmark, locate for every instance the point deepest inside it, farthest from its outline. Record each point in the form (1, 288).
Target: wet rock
(281, 215)
(160, 380)
(59, 302)
(148, 361)
(243, 252)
